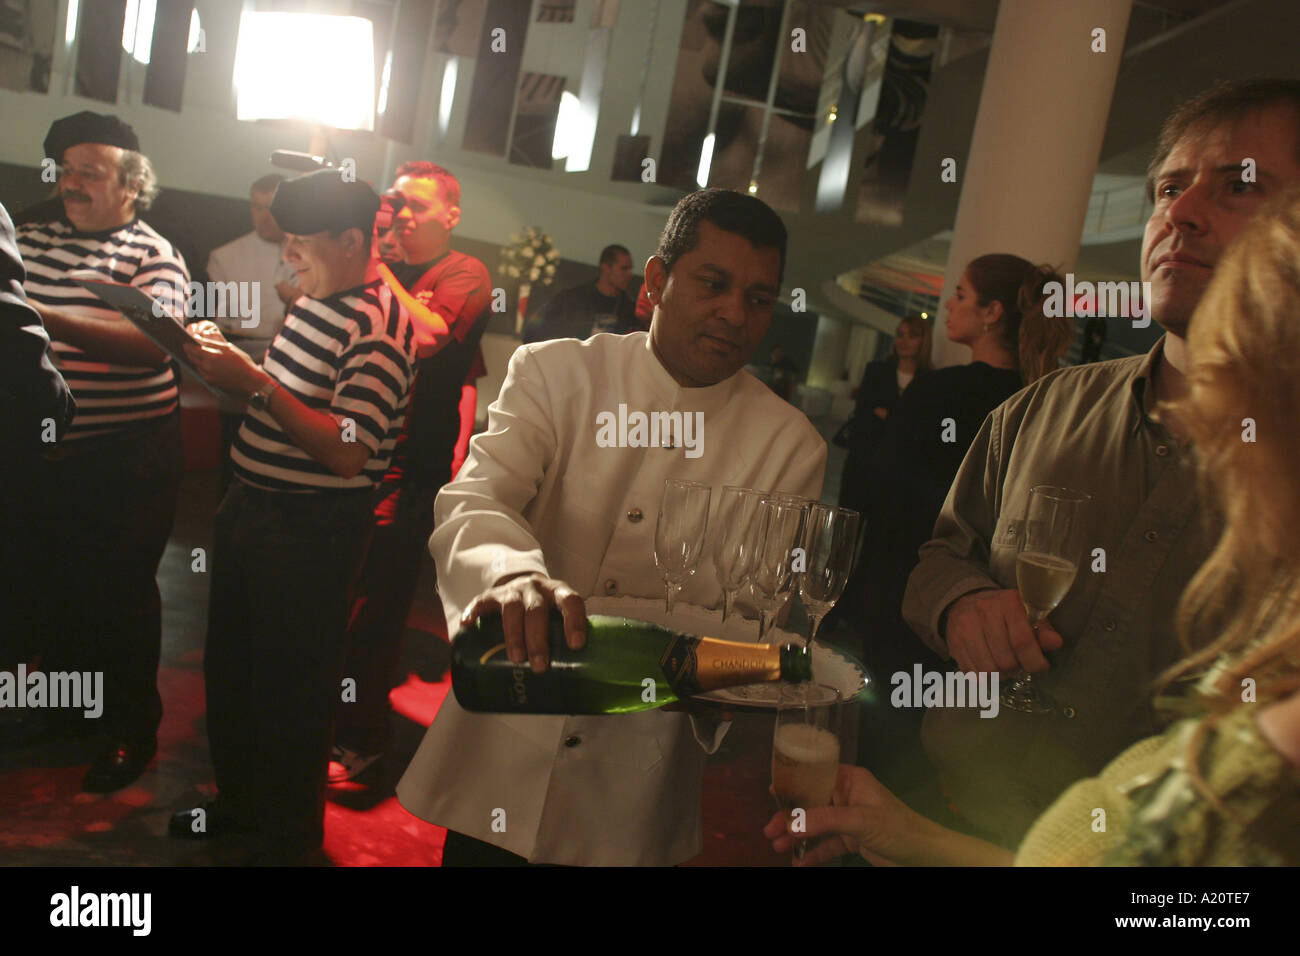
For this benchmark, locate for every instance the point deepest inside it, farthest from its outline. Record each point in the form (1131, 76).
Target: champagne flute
(1046, 566)
(805, 748)
(679, 533)
(830, 537)
(734, 545)
(779, 531)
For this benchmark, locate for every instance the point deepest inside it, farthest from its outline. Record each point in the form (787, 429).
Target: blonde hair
(1243, 605)
(913, 320)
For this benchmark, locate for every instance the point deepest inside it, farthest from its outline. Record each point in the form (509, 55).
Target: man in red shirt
(446, 294)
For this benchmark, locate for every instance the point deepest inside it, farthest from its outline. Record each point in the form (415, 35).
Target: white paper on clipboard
(138, 308)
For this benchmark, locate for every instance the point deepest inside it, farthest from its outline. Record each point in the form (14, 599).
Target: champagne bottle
(626, 666)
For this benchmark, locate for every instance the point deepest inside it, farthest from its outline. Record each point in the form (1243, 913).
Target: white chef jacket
(250, 258)
(537, 493)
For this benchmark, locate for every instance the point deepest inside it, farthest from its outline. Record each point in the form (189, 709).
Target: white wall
(205, 149)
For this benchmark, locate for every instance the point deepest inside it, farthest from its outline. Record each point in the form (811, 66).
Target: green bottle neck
(796, 663)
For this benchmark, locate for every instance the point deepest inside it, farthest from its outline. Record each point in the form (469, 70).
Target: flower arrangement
(530, 257)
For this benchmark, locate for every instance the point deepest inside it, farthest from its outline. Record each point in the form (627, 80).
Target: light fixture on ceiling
(706, 160)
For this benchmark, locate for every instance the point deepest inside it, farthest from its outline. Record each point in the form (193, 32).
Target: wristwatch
(261, 398)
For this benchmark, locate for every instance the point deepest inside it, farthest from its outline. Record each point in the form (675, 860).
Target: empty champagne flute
(830, 537)
(1046, 566)
(734, 544)
(779, 530)
(679, 533)
(805, 749)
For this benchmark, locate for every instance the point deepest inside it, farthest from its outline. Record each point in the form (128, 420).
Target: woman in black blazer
(883, 383)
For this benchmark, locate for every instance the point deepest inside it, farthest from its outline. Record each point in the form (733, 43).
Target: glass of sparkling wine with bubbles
(805, 750)
(1048, 561)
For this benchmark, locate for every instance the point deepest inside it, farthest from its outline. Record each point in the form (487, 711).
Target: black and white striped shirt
(349, 355)
(110, 397)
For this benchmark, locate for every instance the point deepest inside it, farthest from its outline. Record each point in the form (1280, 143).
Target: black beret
(88, 127)
(323, 201)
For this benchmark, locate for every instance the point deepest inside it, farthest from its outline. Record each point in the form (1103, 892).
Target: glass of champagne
(679, 533)
(734, 545)
(830, 537)
(1046, 565)
(805, 749)
(778, 531)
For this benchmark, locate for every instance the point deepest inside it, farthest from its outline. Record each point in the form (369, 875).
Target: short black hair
(740, 213)
(612, 252)
(267, 183)
(1219, 106)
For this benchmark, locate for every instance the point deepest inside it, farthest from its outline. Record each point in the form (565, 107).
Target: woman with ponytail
(995, 310)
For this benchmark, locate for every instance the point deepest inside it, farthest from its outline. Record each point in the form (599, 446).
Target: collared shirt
(111, 397)
(1088, 428)
(544, 491)
(349, 355)
(254, 260)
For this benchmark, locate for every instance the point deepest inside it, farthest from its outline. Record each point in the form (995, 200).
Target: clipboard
(138, 308)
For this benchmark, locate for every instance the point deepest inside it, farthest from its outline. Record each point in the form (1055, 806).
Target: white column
(1038, 135)
(830, 350)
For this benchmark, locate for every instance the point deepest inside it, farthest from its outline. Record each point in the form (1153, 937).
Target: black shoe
(208, 820)
(120, 764)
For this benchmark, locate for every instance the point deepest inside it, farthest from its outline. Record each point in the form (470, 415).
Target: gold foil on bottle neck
(732, 663)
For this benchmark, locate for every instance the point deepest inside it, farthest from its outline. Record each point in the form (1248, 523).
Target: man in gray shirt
(1094, 428)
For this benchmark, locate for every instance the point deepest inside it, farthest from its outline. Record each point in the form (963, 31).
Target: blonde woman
(1222, 786)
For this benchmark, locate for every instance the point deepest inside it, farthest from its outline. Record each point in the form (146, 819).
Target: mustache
(73, 194)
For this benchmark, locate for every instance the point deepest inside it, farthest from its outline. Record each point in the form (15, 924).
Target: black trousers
(403, 521)
(282, 569)
(84, 531)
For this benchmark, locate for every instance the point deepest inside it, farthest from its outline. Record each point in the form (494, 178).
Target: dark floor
(46, 821)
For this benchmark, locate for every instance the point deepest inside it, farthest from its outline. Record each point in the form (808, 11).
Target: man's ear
(656, 277)
(453, 217)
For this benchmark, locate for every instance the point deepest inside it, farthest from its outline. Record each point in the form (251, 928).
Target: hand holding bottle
(524, 602)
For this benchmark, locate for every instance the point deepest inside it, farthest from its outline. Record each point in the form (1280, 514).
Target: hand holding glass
(805, 748)
(1048, 561)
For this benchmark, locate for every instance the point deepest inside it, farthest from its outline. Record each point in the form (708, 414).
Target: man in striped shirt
(107, 494)
(325, 409)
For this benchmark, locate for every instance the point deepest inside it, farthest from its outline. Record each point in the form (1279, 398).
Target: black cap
(324, 201)
(88, 127)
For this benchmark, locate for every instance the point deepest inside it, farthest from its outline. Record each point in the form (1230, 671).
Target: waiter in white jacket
(545, 513)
